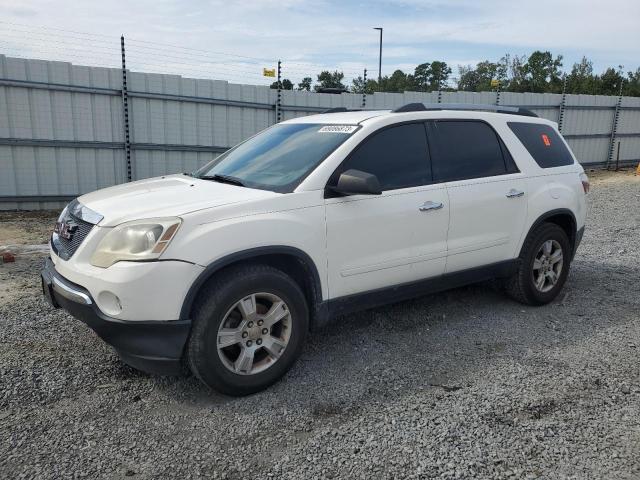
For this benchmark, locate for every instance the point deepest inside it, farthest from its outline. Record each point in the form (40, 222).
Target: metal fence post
(364, 90)
(279, 96)
(125, 111)
(562, 105)
(498, 94)
(614, 128)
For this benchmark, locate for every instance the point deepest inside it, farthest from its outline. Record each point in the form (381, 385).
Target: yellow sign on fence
(269, 72)
(495, 83)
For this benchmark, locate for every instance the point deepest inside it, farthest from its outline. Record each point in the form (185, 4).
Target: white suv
(227, 269)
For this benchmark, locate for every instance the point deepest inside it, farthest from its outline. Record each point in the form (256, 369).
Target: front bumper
(151, 346)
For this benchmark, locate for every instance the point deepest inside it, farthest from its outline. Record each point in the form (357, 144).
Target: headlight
(135, 241)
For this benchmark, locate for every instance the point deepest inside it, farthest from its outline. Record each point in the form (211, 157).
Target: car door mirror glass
(357, 182)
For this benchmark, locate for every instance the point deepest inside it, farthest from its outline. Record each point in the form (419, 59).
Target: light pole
(379, 58)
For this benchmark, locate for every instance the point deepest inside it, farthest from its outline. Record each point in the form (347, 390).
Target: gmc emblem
(65, 230)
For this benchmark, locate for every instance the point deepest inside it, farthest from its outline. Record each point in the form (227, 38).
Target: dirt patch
(604, 177)
(26, 228)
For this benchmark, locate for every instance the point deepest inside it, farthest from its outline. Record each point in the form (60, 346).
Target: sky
(234, 40)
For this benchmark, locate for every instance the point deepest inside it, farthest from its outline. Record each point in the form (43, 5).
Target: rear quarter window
(543, 143)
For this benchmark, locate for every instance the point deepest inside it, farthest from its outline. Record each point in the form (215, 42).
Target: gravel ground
(456, 385)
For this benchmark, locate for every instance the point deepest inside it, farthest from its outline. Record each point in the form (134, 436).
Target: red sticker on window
(545, 139)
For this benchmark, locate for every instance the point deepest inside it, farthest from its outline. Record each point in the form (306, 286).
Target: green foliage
(541, 72)
(632, 87)
(286, 84)
(429, 77)
(611, 81)
(305, 84)
(581, 79)
(397, 82)
(327, 79)
(479, 79)
(358, 85)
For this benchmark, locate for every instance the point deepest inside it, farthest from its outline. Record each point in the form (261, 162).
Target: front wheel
(249, 326)
(544, 266)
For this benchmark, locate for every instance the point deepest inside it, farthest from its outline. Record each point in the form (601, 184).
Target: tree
(397, 82)
(632, 88)
(431, 76)
(327, 79)
(581, 79)
(542, 73)
(422, 76)
(358, 85)
(517, 73)
(305, 84)
(468, 80)
(440, 72)
(479, 79)
(611, 81)
(285, 84)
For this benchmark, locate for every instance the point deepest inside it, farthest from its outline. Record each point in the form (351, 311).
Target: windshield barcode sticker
(338, 129)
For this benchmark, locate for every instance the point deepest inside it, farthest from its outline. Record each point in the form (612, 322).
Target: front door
(376, 241)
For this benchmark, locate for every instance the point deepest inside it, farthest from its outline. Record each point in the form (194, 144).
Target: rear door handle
(426, 206)
(513, 193)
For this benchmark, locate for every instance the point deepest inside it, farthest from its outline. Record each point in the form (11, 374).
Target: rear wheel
(249, 327)
(544, 266)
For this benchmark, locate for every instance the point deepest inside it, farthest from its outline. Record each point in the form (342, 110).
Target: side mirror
(357, 182)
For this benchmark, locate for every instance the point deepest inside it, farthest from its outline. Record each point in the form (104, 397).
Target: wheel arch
(290, 260)
(564, 218)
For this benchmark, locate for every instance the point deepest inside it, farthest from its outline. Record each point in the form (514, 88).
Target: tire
(522, 285)
(227, 302)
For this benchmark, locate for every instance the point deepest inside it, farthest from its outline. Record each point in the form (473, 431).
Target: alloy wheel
(254, 333)
(547, 266)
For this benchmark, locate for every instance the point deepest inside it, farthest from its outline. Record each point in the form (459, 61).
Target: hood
(168, 196)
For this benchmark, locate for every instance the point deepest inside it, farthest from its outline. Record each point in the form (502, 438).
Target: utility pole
(379, 58)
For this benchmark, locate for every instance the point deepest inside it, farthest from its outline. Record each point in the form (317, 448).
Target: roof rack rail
(421, 107)
(342, 109)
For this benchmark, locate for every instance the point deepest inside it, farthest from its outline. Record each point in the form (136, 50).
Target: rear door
(376, 241)
(487, 193)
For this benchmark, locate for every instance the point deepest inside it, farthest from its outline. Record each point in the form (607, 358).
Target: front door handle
(513, 193)
(426, 206)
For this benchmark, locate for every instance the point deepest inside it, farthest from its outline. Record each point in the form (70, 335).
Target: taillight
(585, 182)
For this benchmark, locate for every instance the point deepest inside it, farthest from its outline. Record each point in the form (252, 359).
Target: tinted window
(279, 157)
(398, 156)
(543, 143)
(464, 149)
(508, 159)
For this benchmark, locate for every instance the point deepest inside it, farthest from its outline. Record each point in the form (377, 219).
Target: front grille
(63, 247)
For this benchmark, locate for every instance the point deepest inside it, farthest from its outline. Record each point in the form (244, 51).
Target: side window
(543, 143)
(509, 162)
(398, 156)
(463, 149)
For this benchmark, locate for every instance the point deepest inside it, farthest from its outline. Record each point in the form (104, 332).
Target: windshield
(278, 158)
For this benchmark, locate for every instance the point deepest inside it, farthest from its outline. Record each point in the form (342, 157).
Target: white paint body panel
(485, 225)
(356, 243)
(377, 241)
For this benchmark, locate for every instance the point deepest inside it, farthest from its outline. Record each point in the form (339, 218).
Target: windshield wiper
(223, 179)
